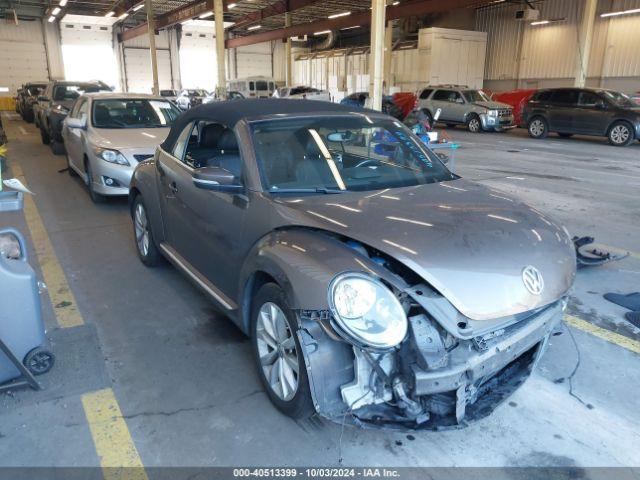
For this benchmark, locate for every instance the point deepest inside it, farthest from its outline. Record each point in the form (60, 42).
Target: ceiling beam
(277, 8)
(363, 17)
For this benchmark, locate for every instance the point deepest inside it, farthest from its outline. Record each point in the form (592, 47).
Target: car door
(74, 137)
(441, 100)
(563, 107)
(203, 226)
(591, 116)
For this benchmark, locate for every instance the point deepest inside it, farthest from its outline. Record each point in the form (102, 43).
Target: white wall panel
(23, 57)
(254, 60)
(137, 64)
(198, 63)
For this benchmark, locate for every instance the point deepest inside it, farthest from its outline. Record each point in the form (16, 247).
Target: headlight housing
(492, 113)
(111, 156)
(366, 311)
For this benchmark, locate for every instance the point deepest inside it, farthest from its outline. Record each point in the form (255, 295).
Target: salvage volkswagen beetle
(376, 285)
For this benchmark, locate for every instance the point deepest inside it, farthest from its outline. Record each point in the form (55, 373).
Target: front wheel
(538, 127)
(473, 124)
(145, 245)
(44, 136)
(278, 354)
(620, 134)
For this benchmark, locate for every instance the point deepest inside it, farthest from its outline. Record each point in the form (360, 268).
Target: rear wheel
(145, 244)
(473, 124)
(620, 134)
(44, 136)
(538, 127)
(278, 354)
(57, 148)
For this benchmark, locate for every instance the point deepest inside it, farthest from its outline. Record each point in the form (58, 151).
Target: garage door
(23, 57)
(87, 49)
(137, 63)
(198, 65)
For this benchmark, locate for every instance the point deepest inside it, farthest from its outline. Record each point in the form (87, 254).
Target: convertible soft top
(231, 112)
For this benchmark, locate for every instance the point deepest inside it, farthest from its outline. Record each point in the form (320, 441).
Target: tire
(71, 171)
(44, 136)
(57, 148)
(280, 347)
(95, 196)
(538, 127)
(147, 250)
(28, 117)
(620, 134)
(39, 361)
(474, 125)
(565, 135)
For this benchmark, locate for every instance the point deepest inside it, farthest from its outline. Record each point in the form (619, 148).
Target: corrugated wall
(546, 54)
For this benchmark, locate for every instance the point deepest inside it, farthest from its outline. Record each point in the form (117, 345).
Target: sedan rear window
(330, 154)
(133, 113)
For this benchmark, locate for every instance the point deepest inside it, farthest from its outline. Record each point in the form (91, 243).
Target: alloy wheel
(277, 351)
(474, 125)
(536, 128)
(142, 230)
(620, 134)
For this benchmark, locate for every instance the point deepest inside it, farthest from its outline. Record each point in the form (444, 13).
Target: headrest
(228, 141)
(101, 114)
(210, 137)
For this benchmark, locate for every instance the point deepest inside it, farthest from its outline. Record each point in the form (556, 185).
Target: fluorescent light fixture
(622, 12)
(55, 11)
(206, 15)
(52, 19)
(110, 14)
(541, 22)
(138, 7)
(63, 3)
(231, 5)
(350, 28)
(123, 16)
(337, 15)
(323, 32)
(395, 3)
(254, 27)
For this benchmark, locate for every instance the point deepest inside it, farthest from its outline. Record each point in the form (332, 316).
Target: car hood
(469, 242)
(143, 139)
(493, 105)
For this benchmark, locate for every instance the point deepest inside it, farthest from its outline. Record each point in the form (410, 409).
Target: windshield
(619, 99)
(333, 154)
(34, 90)
(260, 85)
(475, 96)
(133, 113)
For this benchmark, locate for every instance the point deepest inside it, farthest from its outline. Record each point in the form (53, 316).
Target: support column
(218, 12)
(376, 57)
(287, 50)
(585, 35)
(152, 47)
(388, 49)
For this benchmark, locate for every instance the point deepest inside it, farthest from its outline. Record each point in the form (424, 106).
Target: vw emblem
(532, 279)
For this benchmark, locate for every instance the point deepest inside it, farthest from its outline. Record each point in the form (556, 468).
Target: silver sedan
(107, 134)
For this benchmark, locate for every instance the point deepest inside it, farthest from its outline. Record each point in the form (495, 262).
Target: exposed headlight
(111, 156)
(492, 113)
(367, 311)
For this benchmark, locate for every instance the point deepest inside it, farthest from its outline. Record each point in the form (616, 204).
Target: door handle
(173, 187)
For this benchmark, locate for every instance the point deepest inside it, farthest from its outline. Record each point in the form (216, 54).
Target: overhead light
(395, 3)
(63, 3)
(123, 16)
(350, 28)
(110, 14)
(52, 19)
(622, 12)
(231, 5)
(541, 22)
(55, 11)
(323, 32)
(254, 27)
(138, 7)
(336, 15)
(206, 15)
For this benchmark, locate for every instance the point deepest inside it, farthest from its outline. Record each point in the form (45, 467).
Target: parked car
(464, 106)
(302, 93)
(27, 97)
(107, 134)
(585, 111)
(359, 100)
(376, 286)
(53, 106)
(230, 96)
(256, 86)
(169, 94)
(189, 98)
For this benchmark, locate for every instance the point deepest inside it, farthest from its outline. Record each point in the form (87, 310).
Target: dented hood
(469, 242)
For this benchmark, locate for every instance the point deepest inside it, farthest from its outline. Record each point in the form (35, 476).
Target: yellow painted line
(119, 457)
(62, 299)
(603, 333)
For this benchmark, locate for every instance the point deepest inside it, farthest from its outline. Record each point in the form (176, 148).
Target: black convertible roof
(231, 112)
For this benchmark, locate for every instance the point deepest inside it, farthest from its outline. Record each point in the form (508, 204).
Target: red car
(517, 99)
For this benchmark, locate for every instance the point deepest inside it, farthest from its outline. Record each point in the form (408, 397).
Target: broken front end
(434, 369)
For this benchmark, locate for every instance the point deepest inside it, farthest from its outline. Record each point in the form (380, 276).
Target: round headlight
(109, 155)
(367, 311)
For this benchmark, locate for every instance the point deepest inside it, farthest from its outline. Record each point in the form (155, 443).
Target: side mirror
(80, 123)
(215, 178)
(42, 98)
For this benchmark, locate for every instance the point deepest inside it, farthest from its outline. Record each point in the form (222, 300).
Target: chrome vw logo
(532, 279)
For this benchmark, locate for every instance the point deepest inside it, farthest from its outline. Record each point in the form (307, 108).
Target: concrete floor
(184, 378)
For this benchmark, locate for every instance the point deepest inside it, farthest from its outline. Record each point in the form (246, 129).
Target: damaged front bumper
(432, 380)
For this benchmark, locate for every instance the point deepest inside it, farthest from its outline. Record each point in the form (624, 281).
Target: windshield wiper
(322, 190)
